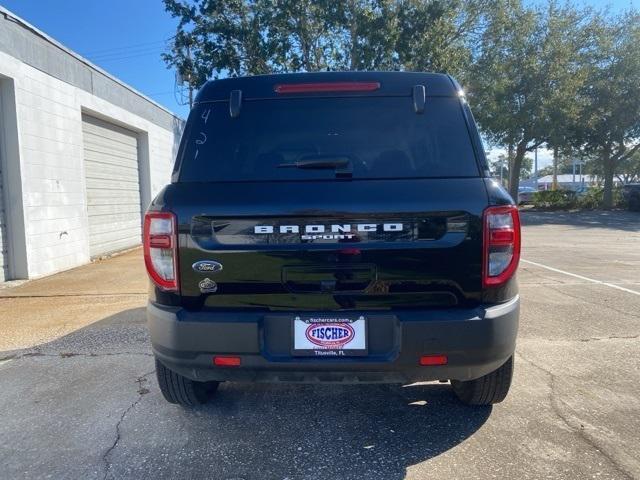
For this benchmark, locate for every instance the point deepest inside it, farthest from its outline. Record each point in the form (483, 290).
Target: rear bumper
(476, 341)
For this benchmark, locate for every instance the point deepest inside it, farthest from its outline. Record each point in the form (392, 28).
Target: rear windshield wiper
(341, 164)
(318, 163)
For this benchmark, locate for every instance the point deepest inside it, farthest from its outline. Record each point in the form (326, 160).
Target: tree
(244, 37)
(609, 123)
(544, 74)
(215, 39)
(526, 71)
(370, 35)
(502, 83)
(567, 46)
(436, 36)
(302, 35)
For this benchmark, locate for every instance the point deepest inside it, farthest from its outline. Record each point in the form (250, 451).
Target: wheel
(181, 390)
(487, 390)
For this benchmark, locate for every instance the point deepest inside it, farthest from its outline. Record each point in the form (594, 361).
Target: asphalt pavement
(79, 398)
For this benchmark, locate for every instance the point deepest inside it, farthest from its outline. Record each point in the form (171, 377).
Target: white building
(81, 155)
(567, 181)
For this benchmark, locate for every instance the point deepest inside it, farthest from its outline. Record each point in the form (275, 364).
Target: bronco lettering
(316, 229)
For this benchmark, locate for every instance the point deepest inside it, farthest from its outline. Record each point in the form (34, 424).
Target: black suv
(332, 227)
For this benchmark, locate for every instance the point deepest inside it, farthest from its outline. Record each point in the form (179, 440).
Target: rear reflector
(226, 361)
(430, 360)
(327, 87)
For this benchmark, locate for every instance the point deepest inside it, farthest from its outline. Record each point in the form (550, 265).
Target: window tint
(381, 137)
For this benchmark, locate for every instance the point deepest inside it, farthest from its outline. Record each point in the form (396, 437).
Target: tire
(181, 390)
(487, 390)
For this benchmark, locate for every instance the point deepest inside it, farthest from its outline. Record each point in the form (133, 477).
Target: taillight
(160, 244)
(501, 244)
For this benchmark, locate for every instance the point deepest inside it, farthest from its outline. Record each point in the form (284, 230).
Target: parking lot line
(581, 277)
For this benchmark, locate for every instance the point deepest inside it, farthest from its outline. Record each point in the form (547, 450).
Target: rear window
(381, 137)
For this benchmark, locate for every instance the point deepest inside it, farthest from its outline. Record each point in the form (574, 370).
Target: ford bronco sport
(332, 227)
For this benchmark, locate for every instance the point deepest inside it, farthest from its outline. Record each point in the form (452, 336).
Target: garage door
(113, 186)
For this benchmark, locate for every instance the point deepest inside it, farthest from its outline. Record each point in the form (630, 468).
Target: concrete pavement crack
(141, 391)
(612, 337)
(70, 355)
(555, 402)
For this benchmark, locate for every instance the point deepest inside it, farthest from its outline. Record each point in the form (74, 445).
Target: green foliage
(244, 37)
(594, 198)
(554, 199)
(435, 36)
(608, 126)
(567, 199)
(526, 74)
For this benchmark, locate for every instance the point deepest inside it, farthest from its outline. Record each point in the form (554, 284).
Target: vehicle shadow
(329, 431)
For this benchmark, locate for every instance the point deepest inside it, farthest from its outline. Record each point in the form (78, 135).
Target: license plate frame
(329, 336)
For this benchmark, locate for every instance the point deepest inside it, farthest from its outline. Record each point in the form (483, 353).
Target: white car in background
(525, 195)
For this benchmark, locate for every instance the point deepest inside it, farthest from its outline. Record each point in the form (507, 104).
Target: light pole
(535, 167)
(579, 163)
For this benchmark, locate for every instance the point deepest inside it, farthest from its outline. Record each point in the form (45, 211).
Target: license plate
(337, 336)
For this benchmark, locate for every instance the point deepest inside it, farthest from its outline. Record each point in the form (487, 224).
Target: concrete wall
(47, 155)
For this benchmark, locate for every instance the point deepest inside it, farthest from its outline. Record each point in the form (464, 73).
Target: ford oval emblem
(207, 266)
(330, 335)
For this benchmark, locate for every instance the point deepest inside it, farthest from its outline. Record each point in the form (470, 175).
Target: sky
(126, 38)
(123, 37)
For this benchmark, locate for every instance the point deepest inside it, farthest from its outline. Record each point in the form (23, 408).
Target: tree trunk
(514, 172)
(305, 41)
(509, 163)
(353, 32)
(608, 164)
(554, 184)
